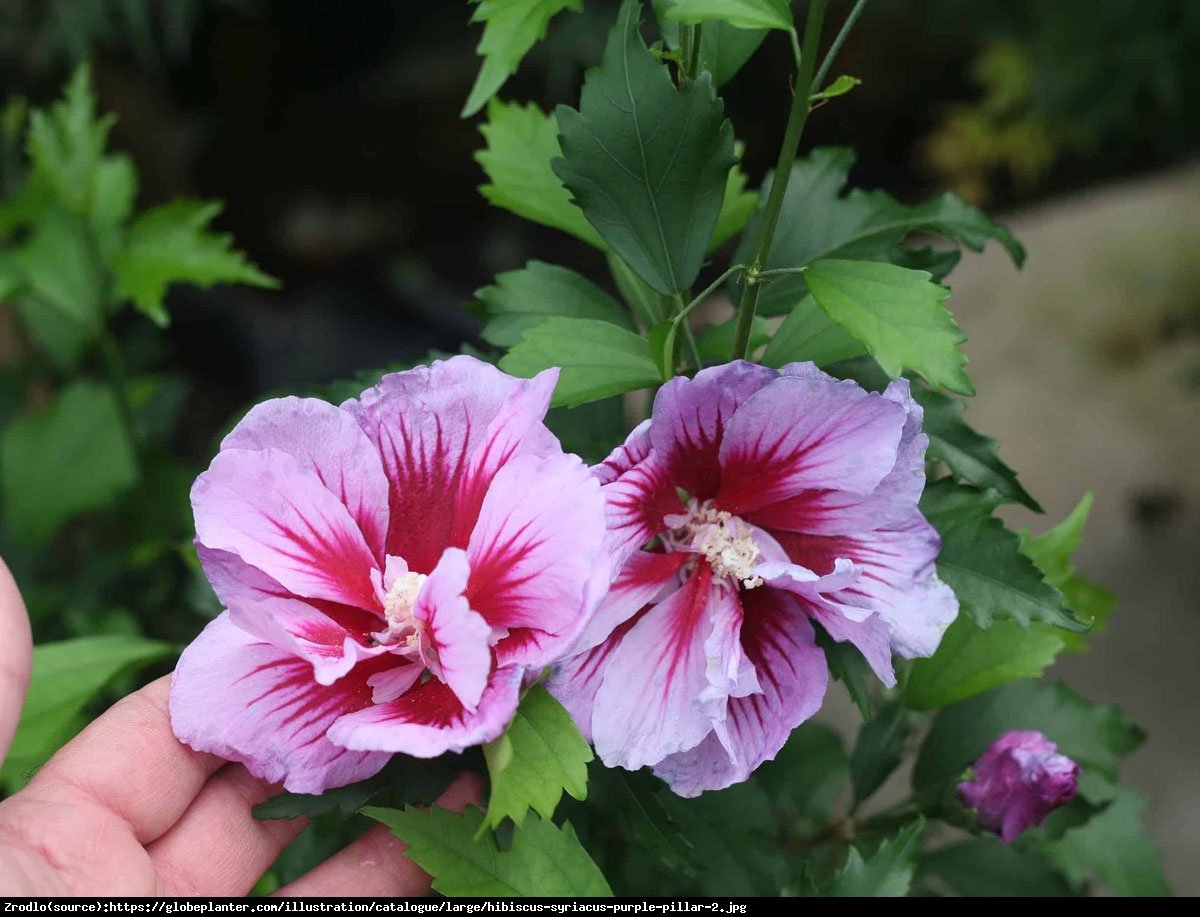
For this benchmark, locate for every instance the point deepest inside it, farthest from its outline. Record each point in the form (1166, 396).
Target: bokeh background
(331, 130)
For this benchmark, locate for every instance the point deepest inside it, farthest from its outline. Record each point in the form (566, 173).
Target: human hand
(127, 809)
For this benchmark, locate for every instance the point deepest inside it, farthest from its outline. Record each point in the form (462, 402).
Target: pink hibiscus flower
(752, 503)
(390, 568)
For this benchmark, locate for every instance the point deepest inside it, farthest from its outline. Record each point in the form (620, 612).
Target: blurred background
(331, 130)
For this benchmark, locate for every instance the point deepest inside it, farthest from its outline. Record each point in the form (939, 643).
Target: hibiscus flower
(753, 503)
(390, 569)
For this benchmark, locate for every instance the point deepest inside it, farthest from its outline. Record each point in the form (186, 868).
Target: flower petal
(778, 640)
(690, 418)
(430, 720)
(276, 515)
(646, 578)
(806, 431)
(427, 424)
(648, 705)
(240, 698)
(455, 642)
(634, 506)
(635, 448)
(329, 441)
(534, 550)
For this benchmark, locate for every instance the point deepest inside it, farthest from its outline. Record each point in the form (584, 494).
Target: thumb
(16, 656)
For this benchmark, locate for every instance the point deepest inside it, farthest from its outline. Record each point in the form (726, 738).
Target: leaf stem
(783, 170)
(709, 290)
(838, 41)
(680, 321)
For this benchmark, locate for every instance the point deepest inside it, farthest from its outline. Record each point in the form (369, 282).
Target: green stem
(681, 321)
(694, 62)
(709, 290)
(838, 41)
(118, 379)
(783, 172)
(796, 55)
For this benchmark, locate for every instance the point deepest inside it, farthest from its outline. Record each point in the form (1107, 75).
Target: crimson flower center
(723, 539)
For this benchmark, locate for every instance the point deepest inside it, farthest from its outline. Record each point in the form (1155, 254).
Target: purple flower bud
(1018, 781)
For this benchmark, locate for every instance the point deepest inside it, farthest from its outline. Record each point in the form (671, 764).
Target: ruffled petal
(328, 441)
(635, 448)
(277, 516)
(243, 699)
(455, 643)
(792, 673)
(807, 431)
(647, 578)
(429, 720)
(634, 506)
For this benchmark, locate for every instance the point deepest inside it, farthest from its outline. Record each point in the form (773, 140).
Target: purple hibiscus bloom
(390, 568)
(753, 502)
(1018, 781)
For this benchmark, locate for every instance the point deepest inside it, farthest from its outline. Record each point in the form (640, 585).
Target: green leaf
(897, 313)
(1052, 552)
(724, 48)
(887, 873)
(62, 269)
(662, 346)
(985, 868)
(970, 660)
(1115, 848)
(969, 455)
(647, 305)
(403, 781)
(847, 665)
(1094, 735)
(171, 244)
(716, 341)
(511, 28)
(742, 14)
(862, 225)
(521, 299)
(636, 801)
(114, 191)
(597, 359)
(647, 163)
(807, 776)
(982, 562)
(71, 457)
(521, 143)
(736, 207)
(809, 334)
(540, 755)
(878, 750)
(544, 860)
(66, 676)
(839, 87)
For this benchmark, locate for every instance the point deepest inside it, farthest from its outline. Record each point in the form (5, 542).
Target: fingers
(218, 848)
(16, 655)
(375, 864)
(129, 762)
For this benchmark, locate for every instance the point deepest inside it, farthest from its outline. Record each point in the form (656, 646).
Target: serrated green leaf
(511, 28)
(71, 457)
(520, 299)
(1114, 848)
(1092, 734)
(970, 660)
(861, 225)
(66, 676)
(597, 359)
(839, 87)
(982, 562)
(985, 868)
(647, 162)
(521, 143)
(966, 453)
(724, 48)
(540, 755)
(61, 269)
(879, 749)
(898, 315)
(172, 244)
(887, 873)
(716, 341)
(114, 189)
(809, 334)
(543, 860)
(742, 14)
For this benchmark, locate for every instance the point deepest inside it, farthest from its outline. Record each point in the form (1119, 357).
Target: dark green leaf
(878, 750)
(809, 334)
(544, 860)
(403, 781)
(521, 143)
(839, 87)
(982, 562)
(172, 244)
(521, 299)
(724, 48)
(970, 660)
(511, 28)
(71, 457)
(864, 225)
(846, 664)
(985, 868)
(1115, 848)
(635, 798)
(969, 455)
(887, 873)
(716, 341)
(737, 205)
(540, 755)
(807, 776)
(1094, 735)
(743, 14)
(597, 359)
(647, 163)
(898, 315)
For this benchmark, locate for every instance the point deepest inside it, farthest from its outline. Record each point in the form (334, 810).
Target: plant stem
(783, 172)
(694, 62)
(681, 320)
(118, 379)
(709, 290)
(838, 41)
